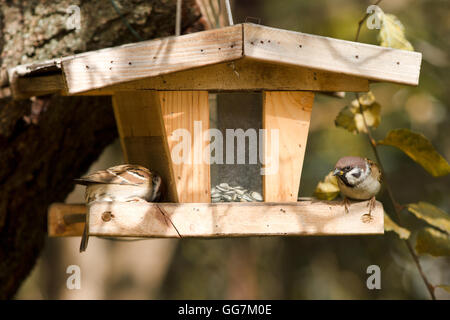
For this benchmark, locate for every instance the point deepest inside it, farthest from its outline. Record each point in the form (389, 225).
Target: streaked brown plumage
(358, 179)
(125, 182)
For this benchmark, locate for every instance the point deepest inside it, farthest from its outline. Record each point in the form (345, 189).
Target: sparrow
(123, 183)
(358, 179)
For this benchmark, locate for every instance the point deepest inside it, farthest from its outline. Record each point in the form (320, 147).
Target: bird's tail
(85, 236)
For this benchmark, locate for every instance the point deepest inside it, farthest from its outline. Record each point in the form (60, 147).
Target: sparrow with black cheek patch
(121, 183)
(358, 179)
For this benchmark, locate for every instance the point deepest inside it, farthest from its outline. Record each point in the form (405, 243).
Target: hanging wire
(230, 16)
(125, 22)
(178, 19)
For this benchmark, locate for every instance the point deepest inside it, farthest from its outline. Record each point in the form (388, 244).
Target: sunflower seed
(255, 195)
(224, 185)
(227, 198)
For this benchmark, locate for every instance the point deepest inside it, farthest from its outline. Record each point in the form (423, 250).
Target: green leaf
(327, 189)
(390, 225)
(346, 119)
(446, 287)
(418, 148)
(372, 115)
(366, 99)
(433, 242)
(431, 214)
(350, 117)
(392, 33)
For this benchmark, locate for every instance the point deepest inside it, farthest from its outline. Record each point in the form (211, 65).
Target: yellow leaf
(367, 99)
(433, 242)
(431, 214)
(346, 119)
(350, 118)
(327, 189)
(446, 287)
(392, 33)
(390, 225)
(372, 116)
(418, 148)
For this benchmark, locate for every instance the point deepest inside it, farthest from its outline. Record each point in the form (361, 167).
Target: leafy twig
(397, 207)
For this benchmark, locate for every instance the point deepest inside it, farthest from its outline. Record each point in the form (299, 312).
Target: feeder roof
(291, 58)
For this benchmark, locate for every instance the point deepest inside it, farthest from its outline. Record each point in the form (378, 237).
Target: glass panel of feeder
(235, 115)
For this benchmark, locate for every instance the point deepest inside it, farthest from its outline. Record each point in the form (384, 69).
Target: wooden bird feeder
(162, 85)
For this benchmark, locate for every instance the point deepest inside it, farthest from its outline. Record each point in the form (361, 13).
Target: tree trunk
(47, 142)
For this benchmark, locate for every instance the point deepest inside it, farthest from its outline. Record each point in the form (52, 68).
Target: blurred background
(296, 267)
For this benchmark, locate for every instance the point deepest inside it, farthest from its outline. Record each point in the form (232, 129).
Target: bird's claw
(371, 204)
(346, 204)
(367, 217)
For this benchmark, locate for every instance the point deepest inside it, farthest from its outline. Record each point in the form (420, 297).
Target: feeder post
(289, 114)
(146, 121)
(143, 135)
(188, 110)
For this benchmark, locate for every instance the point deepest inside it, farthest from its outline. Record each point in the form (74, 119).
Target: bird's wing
(375, 170)
(122, 174)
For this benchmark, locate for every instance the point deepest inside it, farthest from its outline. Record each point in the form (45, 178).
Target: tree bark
(46, 142)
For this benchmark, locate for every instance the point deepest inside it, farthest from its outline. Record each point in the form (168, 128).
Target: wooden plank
(63, 220)
(92, 70)
(326, 60)
(245, 74)
(332, 55)
(142, 134)
(206, 220)
(186, 110)
(289, 114)
(40, 85)
(49, 84)
(105, 67)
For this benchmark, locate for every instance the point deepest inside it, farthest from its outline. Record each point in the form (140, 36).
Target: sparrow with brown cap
(123, 183)
(358, 179)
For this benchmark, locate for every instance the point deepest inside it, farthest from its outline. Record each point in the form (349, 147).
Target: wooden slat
(333, 55)
(223, 219)
(63, 220)
(42, 85)
(245, 74)
(180, 109)
(289, 113)
(37, 86)
(143, 135)
(105, 67)
(331, 64)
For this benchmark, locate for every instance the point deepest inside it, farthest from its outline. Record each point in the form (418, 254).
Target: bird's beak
(338, 172)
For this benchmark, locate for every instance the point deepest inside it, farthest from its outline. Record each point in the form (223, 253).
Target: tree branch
(397, 207)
